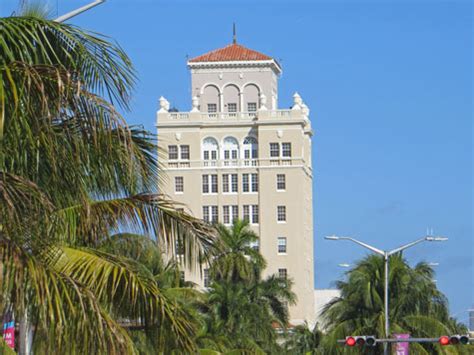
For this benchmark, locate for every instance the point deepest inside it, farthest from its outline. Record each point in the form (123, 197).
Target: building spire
(234, 37)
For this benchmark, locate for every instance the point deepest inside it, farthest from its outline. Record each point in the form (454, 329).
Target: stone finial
(305, 109)
(164, 105)
(297, 101)
(263, 102)
(195, 102)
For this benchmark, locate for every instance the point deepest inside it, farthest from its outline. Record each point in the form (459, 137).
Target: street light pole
(78, 11)
(386, 255)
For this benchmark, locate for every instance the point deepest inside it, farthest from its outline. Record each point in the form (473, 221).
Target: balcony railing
(231, 116)
(179, 164)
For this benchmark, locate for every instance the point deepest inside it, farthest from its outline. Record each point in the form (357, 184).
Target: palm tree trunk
(25, 336)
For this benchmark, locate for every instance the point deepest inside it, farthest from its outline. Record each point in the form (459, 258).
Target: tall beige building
(235, 154)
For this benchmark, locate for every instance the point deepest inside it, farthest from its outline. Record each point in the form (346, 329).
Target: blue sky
(389, 85)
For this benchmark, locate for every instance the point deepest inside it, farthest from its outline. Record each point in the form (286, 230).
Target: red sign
(9, 334)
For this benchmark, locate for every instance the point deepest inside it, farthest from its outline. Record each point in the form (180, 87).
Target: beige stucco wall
(267, 126)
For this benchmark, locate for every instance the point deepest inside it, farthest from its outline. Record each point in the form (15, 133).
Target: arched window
(231, 148)
(250, 148)
(209, 150)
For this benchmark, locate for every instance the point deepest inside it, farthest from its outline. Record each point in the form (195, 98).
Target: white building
(236, 154)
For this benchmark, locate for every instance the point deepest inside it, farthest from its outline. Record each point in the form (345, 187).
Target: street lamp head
(331, 237)
(433, 264)
(436, 239)
(344, 265)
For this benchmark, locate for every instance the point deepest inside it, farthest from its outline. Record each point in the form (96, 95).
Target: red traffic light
(350, 341)
(444, 340)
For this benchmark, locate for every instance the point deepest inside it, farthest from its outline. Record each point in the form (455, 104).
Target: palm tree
(72, 173)
(303, 340)
(236, 259)
(417, 307)
(242, 309)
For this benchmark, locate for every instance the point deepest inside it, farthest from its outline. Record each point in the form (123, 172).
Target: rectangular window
(274, 150)
(226, 214)
(182, 276)
(214, 188)
(184, 152)
(286, 150)
(225, 183)
(205, 184)
(172, 152)
(281, 182)
(246, 216)
(281, 213)
(281, 245)
(254, 182)
(205, 214)
(255, 214)
(282, 273)
(214, 214)
(251, 106)
(245, 183)
(232, 107)
(235, 213)
(235, 183)
(206, 278)
(211, 108)
(179, 184)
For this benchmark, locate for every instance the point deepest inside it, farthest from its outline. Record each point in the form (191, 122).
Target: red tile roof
(232, 52)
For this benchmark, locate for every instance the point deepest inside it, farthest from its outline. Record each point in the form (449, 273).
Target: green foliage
(241, 309)
(416, 306)
(72, 173)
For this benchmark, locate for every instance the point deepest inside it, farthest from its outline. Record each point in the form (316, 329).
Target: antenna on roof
(234, 37)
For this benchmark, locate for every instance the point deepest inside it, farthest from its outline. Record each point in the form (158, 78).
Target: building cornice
(222, 124)
(237, 64)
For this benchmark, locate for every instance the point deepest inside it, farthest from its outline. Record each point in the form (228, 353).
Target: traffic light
(361, 340)
(454, 340)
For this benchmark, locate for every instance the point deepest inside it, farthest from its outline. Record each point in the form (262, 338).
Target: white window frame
(254, 182)
(230, 183)
(179, 184)
(225, 184)
(283, 150)
(250, 148)
(281, 212)
(210, 213)
(184, 151)
(284, 272)
(280, 181)
(210, 151)
(272, 150)
(169, 152)
(211, 108)
(230, 214)
(282, 246)
(249, 109)
(226, 214)
(230, 148)
(250, 183)
(246, 183)
(210, 184)
(234, 107)
(251, 214)
(234, 183)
